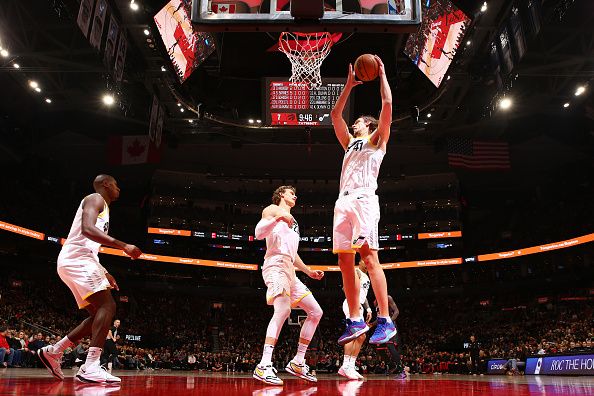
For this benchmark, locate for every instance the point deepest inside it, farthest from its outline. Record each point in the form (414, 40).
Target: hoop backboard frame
(204, 19)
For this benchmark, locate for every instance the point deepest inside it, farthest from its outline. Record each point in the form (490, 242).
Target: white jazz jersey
(76, 241)
(365, 284)
(78, 262)
(283, 240)
(361, 165)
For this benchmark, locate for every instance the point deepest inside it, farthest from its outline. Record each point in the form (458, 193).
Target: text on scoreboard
(297, 104)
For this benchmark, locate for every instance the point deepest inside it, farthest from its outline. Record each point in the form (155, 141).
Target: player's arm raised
(385, 119)
(270, 215)
(341, 129)
(92, 206)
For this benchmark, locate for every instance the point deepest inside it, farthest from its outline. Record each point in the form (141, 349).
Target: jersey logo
(365, 285)
(358, 242)
(356, 145)
(106, 227)
(295, 226)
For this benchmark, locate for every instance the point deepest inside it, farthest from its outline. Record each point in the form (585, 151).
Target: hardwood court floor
(174, 383)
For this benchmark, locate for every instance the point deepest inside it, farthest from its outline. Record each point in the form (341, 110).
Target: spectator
(6, 352)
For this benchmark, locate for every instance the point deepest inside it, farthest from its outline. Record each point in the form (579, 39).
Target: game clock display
(296, 104)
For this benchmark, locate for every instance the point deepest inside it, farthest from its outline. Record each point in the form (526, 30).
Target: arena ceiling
(45, 41)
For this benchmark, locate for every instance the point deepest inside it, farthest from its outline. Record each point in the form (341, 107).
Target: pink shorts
(356, 220)
(278, 273)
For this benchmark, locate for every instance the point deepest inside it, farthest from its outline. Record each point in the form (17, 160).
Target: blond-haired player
(356, 212)
(285, 290)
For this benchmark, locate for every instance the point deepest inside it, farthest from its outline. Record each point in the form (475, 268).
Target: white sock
(356, 319)
(346, 360)
(93, 356)
(300, 357)
(267, 355)
(62, 344)
(353, 361)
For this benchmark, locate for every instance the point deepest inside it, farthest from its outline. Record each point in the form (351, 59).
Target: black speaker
(307, 9)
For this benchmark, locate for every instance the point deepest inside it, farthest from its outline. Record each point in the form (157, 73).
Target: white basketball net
(306, 51)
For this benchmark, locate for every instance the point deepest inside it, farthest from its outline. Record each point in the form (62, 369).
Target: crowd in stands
(190, 333)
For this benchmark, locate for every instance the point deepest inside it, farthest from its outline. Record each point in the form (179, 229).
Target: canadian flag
(131, 150)
(223, 8)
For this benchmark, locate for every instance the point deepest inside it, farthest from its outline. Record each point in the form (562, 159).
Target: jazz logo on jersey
(356, 145)
(295, 226)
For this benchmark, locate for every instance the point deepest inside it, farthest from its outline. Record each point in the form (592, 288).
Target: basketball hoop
(306, 51)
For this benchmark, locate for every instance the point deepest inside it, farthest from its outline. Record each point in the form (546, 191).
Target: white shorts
(83, 275)
(279, 276)
(356, 220)
(347, 313)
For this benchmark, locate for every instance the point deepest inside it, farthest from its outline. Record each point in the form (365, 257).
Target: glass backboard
(395, 16)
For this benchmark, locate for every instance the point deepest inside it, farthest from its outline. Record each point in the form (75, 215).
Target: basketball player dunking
(352, 348)
(356, 212)
(80, 270)
(285, 290)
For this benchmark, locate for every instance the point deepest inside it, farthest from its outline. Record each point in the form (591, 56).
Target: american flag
(476, 154)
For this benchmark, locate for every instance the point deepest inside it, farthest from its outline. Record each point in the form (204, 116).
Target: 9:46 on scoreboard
(298, 118)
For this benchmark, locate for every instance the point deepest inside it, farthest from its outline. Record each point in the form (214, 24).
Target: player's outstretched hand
(382, 68)
(112, 281)
(132, 251)
(316, 274)
(351, 78)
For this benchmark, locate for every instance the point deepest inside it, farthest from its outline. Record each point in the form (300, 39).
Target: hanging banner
(118, 71)
(98, 24)
(84, 16)
(110, 43)
(153, 118)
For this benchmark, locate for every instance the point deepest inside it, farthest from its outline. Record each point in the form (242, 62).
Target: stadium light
(134, 6)
(33, 84)
(484, 7)
(108, 99)
(48, 100)
(16, 65)
(505, 103)
(580, 90)
(4, 53)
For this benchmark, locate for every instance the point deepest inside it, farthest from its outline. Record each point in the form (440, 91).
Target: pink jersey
(283, 240)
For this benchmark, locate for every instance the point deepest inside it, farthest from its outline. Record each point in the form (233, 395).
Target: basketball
(366, 67)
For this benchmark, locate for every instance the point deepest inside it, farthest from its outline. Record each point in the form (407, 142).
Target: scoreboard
(296, 104)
